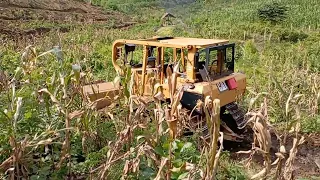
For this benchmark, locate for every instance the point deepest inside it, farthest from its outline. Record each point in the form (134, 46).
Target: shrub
(273, 12)
(293, 36)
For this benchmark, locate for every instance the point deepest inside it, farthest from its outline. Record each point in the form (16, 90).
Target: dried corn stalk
(114, 154)
(3, 81)
(262, 139)
(158, 111)
(172, 111)
(212, 115)
(288, 168)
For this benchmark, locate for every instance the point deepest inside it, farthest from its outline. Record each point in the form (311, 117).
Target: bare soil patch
(307, 162)
(16, 16)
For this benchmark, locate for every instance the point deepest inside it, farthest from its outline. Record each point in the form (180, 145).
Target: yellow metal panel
(148, 43)
(175, 42)
(165, 91)
(198, 42)
(183, 60)
(174, 54)
(162, 65)
(190, 63)
(144, 66)
(211, 89)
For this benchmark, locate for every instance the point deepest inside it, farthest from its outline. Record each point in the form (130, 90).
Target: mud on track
(16, 17)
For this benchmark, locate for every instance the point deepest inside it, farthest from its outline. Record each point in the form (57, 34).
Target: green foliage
(128, 6)
(182, 152)
(311, 178)
(229, 169)
(9, 60)
(166, 31)
(273, 12)
(250, 51)
(292, 36)
(92, 160)
(311, 124)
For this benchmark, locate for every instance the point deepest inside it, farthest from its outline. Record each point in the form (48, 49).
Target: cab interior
(210, 63)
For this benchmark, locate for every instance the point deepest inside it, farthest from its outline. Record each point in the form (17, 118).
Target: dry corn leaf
(45, 142)
(159, 96)
(259, 174)
(162, 164)
(275, 162)
(282, 149)
(126, 168)
(53, 99)
(76, 114)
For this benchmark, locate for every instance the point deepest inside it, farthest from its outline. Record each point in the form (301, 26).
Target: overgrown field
(49, 131)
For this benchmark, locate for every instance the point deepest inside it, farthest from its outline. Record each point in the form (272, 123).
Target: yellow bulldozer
(206, 66)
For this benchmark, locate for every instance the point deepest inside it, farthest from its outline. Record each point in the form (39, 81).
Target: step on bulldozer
(206, 66)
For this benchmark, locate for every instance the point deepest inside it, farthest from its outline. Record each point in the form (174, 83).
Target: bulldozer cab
(200, 59)
(215, 62)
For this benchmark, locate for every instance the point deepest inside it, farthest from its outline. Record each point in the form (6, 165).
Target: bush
(293, 36)
(273, 12)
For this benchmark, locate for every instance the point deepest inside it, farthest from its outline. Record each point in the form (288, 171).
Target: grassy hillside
(280, 59)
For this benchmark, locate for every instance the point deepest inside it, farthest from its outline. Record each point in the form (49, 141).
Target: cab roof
(177, 42)
(199, 42)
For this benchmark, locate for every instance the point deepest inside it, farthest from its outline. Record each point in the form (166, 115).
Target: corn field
(49, 129)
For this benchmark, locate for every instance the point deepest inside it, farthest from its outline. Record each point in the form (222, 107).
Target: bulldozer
(206, 66)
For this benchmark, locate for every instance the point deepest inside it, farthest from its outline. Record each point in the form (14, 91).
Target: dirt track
(17, 15)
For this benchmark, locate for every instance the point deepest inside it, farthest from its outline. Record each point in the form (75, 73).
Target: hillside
(20, 18)
(52, 47)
